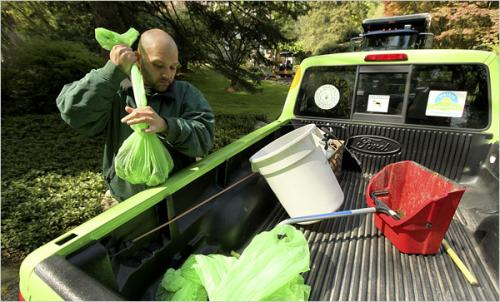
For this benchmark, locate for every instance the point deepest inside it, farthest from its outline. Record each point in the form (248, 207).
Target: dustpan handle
(327, 215)
(381, 206)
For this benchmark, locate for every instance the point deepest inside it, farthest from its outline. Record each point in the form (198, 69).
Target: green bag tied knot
(142, 158)
(107, 38)
(268, 270)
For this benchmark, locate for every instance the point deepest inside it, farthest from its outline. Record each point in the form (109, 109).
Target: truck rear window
(453, 95)
(449, 95)
(327, 92)
(381, 92)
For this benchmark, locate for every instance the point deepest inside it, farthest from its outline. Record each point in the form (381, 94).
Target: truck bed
(352, 260)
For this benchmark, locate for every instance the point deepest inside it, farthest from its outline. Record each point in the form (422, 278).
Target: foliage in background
(66, 20)
(48, 44)
(226, 35)
(330, 23)
(229, 127)
(34, 72)
(456, 24)
(50, 181)
(334, 47)
(69, 21)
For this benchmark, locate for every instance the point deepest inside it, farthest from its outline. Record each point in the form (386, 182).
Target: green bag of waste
(182, 284)
(142, 158)
(295, 290)
(212, 268)
(272, 260)
(268, 269)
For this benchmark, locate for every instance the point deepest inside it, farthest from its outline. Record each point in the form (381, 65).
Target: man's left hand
(145, 115)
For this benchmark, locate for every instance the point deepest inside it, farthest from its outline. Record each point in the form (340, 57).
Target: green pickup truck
(438, 108)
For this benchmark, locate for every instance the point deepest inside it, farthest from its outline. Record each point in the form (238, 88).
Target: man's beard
(150, 90)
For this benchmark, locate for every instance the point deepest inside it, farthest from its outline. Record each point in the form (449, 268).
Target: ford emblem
(373, 144)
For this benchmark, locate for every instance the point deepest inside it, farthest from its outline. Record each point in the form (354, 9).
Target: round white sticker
(326, 97)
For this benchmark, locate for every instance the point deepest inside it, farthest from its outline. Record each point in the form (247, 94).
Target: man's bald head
(156, 39)
(159, 57)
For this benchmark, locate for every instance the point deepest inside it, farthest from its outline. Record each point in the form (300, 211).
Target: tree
(227, 34)
(466, 25)
(48, 44)
(67, 21)
(63, 21)
(330, 23)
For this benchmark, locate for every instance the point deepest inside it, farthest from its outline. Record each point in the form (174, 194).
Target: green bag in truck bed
(182, 284)
(268, 269)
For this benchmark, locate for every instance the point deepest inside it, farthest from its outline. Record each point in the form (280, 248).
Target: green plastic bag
(268, 269)
(182, 284)
(295, 290)
(107, 38)
(271, 260)
(212, 268)
(142, 158)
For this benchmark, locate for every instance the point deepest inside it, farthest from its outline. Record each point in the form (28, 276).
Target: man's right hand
(123, 56)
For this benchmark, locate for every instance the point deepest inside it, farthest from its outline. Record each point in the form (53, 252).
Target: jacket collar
(169, 94)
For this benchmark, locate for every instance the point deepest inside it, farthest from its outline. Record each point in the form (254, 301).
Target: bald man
(103, 101)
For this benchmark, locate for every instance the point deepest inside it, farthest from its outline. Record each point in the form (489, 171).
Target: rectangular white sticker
(446, 103)
(378, 103)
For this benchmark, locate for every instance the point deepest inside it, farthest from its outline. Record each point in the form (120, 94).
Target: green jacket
(97, 102)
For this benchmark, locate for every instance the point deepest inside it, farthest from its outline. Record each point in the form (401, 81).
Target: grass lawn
(268, 102)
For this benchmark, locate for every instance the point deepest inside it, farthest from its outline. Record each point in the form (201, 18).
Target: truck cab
(438, 108)
(397, 32)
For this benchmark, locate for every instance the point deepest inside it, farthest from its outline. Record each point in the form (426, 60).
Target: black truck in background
(397, 32)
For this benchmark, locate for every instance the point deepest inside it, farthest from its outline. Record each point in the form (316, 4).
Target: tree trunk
(184, 65)
(233, 86)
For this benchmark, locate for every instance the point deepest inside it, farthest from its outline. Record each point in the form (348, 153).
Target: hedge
(34, 71)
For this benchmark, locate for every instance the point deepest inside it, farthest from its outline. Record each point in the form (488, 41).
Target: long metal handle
(327, 216)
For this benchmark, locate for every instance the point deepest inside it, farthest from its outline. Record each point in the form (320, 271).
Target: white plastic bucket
(297, 170)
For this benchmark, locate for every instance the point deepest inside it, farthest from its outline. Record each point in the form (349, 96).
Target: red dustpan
(425, 201)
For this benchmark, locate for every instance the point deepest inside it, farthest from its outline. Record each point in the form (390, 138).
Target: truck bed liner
(352, 260)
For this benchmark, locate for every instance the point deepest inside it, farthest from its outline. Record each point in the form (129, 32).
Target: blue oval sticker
(373, 144)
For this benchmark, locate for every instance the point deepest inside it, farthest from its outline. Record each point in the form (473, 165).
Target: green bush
(35, 70)
(51, 177)
(334, 47)
(41, 206)
(46, 143)
(230, 127)
(51, 181)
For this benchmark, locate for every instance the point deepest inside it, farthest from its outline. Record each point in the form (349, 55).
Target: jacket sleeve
(86, 104)
(193, 132)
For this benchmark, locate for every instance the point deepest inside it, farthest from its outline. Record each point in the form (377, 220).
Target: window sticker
(326, 96)
(378, 103)
(446, 103)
